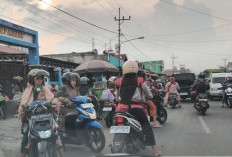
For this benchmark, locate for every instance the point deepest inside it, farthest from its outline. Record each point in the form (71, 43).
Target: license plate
(203, 99)
(107, 109)
(183, 93)
(120, 129)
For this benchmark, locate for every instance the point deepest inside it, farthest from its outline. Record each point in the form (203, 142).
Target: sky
(197, 32)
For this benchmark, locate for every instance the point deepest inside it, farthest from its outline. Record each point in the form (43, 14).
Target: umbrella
(96, 66)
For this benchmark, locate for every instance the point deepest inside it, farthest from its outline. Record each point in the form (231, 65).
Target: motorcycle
(109, 111)
(128, 134)
(228, 92)
(81, 126)
(42, 129)
(201, 104)
(172, 100)
(158, 100)
(98, 105)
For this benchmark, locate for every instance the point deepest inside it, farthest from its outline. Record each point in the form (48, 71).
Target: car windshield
(218, 80)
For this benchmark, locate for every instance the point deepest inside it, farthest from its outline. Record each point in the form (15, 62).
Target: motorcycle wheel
(116, 147)
(51, 149)
(99, 113)
(203, 112)
(162, 116)
(230, 103)
(97, 140)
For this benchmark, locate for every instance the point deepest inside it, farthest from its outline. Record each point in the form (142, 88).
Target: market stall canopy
(96, 66)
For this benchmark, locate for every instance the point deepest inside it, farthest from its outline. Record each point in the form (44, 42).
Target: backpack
(201, 85)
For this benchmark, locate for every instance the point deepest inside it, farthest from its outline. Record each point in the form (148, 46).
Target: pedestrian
(35, 79)
(3, 100)
(109, 93)
(17, 90)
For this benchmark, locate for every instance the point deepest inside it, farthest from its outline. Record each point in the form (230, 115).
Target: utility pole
(173, 63)
(93, 43)
(120, 21)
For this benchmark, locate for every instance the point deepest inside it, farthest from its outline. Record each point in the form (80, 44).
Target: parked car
(185, 80)
(215, 81)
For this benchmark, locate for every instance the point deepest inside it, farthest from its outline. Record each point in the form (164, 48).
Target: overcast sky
(198, 32)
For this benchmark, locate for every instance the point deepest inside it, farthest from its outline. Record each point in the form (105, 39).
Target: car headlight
(229, 90)
(45, 134)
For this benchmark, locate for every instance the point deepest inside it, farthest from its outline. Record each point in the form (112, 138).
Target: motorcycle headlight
(45, 134)
(92, 115)
(229, 90)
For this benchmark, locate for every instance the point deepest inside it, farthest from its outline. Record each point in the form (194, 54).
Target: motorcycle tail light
(119, 120)
(203, 97)
(193, 92)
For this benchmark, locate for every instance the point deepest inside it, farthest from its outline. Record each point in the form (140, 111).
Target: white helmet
(130, 67)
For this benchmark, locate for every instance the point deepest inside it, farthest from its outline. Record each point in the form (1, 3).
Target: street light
(119, 49)
(132, 39)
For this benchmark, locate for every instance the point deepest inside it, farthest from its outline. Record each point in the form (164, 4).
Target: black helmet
(36, 73)
(68, 75)
(201, 75)
(84, 81)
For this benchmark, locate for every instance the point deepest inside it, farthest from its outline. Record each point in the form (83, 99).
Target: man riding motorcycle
(227, 81)
(129, 92)
(85, 86)
(201, 85)
(172, 87)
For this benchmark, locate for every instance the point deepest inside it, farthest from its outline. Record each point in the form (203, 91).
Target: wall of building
(78, 58)
(157, 66)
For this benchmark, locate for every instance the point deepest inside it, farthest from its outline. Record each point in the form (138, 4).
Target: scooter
(42, 129)
(109, 111)
(201, 104)
(228, 92)
(81, 126)
(162, 114)
(172, 100)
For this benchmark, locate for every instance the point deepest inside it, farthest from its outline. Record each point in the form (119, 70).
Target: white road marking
(203, 124)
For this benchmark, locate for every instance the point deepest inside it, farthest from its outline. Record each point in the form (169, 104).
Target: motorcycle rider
(35, 79)
(68, 90)
(109, 94)
(130, 95)
(84, 86)
(201, 85)
(172, 87)
(228, 80)
(17, 90)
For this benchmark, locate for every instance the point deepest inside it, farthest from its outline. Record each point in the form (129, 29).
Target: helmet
(130, 67)
(36, 73)
(67, 76)
(84, 81)
(201, 75)
(113, 79)
(17, 79)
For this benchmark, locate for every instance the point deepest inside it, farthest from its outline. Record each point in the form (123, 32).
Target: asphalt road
(186, 133)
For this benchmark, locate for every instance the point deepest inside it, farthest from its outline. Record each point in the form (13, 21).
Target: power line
(65, 12)
(195, 11)
(71, 25)
(45, 29)
(49, 20)
(198, 41)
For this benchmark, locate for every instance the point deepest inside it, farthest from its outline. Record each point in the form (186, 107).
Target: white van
(215, 83)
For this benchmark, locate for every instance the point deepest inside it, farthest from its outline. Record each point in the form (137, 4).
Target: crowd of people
(133, 89)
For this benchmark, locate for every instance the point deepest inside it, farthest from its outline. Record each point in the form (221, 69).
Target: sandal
(157, 126)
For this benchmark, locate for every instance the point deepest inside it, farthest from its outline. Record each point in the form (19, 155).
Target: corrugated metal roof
(9, 50)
